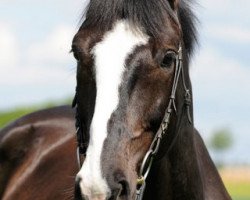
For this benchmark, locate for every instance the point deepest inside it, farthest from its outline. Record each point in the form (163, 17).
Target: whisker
(68, 193)
(72, 177)
(70, 197)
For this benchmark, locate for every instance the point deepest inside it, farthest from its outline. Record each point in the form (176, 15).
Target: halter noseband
(83, 139)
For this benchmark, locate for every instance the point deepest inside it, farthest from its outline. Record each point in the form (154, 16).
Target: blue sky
(35, 38)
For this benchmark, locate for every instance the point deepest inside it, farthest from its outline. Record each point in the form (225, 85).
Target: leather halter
(162, 131)
(83, 139)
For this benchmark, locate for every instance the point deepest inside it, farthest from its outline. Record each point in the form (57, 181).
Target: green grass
(6, 116)
(237, 182)
(238, 190)
(240, 198)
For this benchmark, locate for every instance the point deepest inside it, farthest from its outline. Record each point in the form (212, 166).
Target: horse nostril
(119, 185)
(121, 191)
(124, 188)
(78, 194)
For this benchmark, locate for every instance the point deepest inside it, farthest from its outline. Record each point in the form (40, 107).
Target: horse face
(124, 81)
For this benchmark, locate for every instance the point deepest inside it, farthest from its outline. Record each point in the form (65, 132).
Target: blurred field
(237, 181)
(6, 116)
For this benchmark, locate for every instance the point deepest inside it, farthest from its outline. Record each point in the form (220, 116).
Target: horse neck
(184, 166)
(186, 171)
(177, 174)
(182, 159)
(212, 183)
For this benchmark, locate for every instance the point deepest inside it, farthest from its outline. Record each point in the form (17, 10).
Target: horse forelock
(149, 15)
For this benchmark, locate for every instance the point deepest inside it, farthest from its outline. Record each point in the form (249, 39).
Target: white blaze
(110, 55)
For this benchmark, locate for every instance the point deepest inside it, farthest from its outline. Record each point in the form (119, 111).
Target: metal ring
(147, 156)
(78, 157)
(156, 145)
(77, 129)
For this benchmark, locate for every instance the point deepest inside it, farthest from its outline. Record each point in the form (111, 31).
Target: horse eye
(168, 59)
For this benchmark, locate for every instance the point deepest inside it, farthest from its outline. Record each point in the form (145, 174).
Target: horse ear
(174, 4)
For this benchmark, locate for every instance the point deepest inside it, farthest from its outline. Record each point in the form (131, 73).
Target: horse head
(132, 72)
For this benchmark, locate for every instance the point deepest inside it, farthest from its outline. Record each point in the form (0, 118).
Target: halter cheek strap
(155, 145)
(82, 139)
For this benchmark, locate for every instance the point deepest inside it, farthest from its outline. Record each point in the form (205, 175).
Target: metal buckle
(80, 157)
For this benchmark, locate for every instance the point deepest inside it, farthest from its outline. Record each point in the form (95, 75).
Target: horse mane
(147, 14)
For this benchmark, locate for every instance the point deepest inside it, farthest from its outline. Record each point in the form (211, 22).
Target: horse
(38, 160)
(134, 113)
(27, 166)
(135, 128)
(37, 156)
